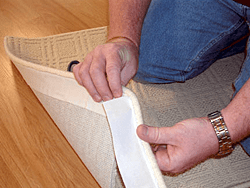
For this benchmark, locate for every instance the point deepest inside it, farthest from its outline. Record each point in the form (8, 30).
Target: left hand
(107, 68)
(182, 146)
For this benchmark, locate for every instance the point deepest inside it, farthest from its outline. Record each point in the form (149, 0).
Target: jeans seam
(212, 43)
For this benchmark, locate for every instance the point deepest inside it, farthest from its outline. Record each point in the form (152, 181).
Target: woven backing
(161, 105)
(87, 132)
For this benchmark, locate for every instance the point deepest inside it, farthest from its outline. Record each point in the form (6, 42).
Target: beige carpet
(161, 105)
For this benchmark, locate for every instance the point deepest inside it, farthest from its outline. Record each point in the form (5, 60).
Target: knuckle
(98, 51)
(94, 71)
(113, 67)
(168, 167)
(82, 73)
(156, 135)
(173, 168)
(89, 55)
(83, 76)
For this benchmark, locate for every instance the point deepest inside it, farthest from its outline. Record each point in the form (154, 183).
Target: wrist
(122, 39)
(236, 123)
(212, 138)
(237, 114)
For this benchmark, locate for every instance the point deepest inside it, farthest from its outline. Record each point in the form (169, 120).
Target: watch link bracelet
(220, 128)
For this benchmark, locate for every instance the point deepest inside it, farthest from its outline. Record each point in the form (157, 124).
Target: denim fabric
(180, 39)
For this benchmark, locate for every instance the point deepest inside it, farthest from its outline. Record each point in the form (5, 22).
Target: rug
(84, 123)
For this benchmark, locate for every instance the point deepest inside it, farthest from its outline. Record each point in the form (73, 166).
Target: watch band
(220, 128)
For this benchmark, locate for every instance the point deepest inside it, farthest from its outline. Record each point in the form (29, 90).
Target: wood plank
(33, 152)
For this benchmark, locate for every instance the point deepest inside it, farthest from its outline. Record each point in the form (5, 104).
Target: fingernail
(106, 98)
(117, 94)
(97, 98)
(145, 130)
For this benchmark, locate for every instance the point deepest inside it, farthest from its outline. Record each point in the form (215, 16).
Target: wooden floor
(33, 152)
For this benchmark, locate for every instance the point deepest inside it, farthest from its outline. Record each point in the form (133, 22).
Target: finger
(81, 72)
(130, 67)
(113, 68)
(127, 74)
(81, 69)
(163, 160)
(172, 160)
(97, 73)
(76, 69)
(158, 147)
(155, 134)
(129, 70)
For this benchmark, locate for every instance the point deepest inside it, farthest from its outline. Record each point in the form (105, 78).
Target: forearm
(126, 18)
(237, 114)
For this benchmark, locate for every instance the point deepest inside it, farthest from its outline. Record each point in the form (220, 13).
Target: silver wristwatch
(220, 128)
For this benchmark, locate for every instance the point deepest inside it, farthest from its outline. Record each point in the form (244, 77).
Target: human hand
(182, 146)
(107, 68)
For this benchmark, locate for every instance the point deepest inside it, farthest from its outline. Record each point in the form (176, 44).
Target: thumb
(155, 134)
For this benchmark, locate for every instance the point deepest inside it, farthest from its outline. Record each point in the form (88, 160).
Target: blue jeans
(180, 39)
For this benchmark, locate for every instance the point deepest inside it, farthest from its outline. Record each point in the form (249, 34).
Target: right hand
(183, 145)
(107, 68)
